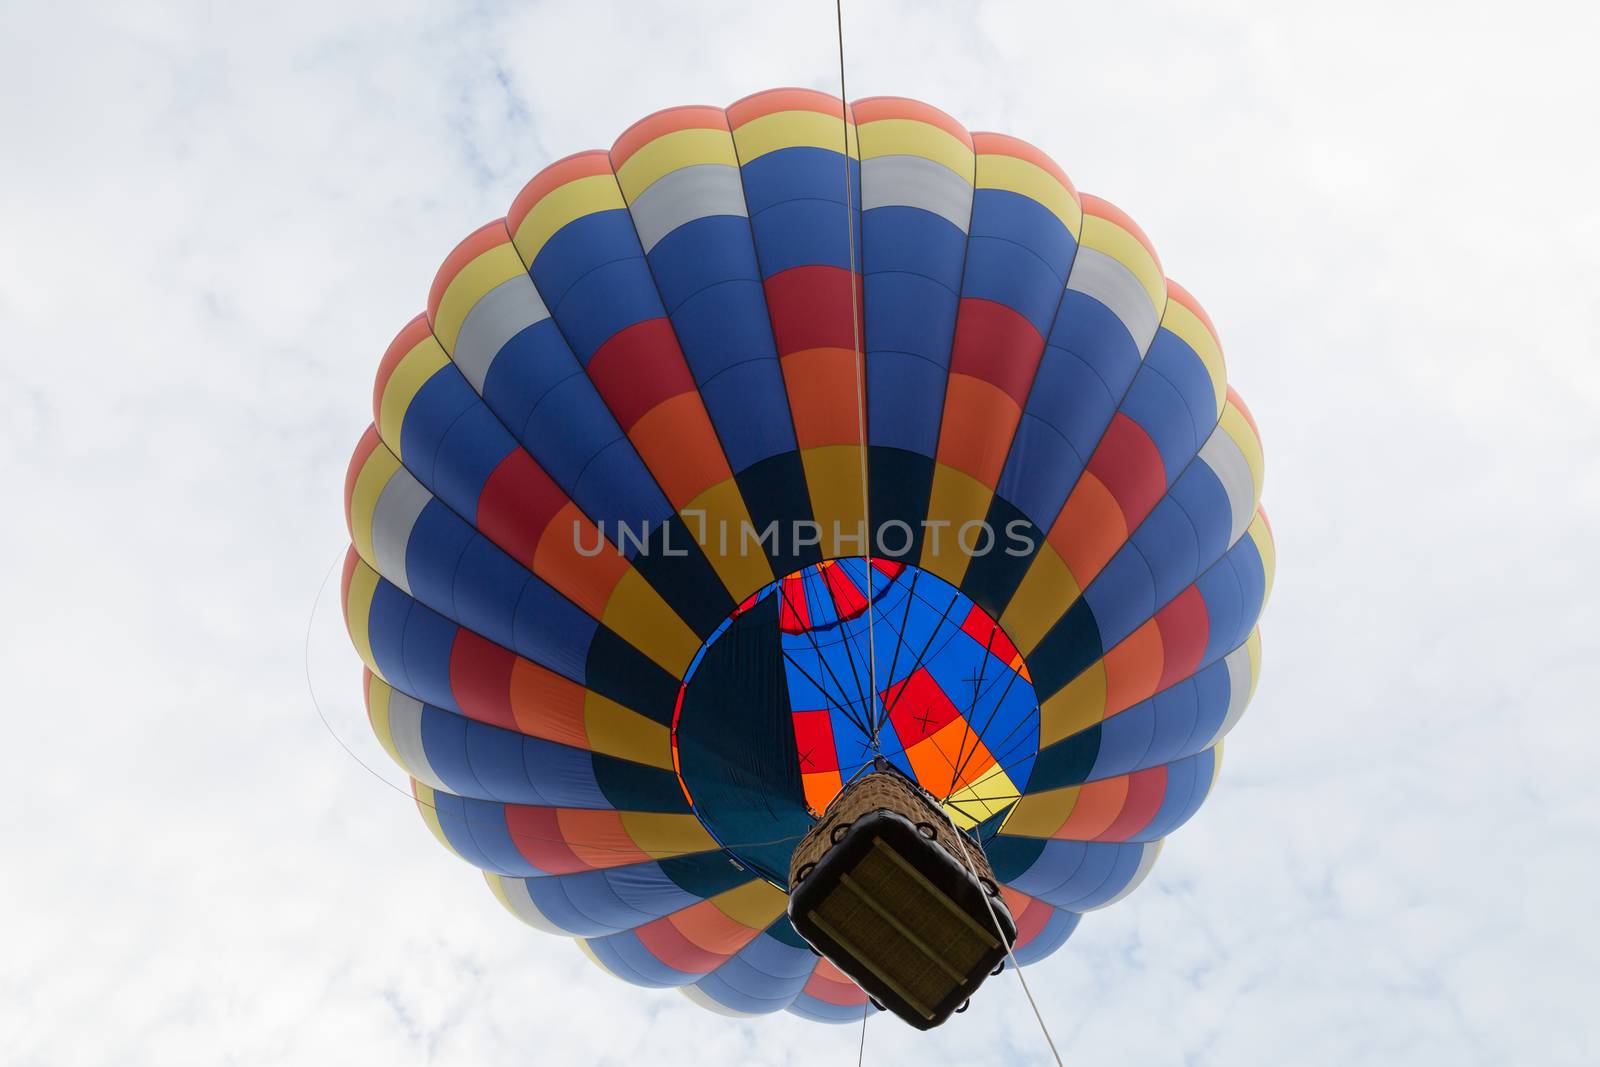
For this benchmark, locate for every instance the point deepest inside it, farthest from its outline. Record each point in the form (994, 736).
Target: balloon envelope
(764, 442)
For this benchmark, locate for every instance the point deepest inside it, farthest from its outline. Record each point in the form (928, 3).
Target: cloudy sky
(214, 218)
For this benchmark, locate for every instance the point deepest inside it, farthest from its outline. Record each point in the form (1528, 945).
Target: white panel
(911, 181)
(696, 192)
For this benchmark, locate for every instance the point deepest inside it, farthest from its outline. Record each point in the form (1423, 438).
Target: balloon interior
(795, 497)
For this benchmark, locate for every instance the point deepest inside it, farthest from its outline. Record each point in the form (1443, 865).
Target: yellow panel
(1103, 235)
(755, 904)
(1078, 706)
(1216, 765)
(833, 473)
(636, 612)
(380, 466)
(1042, 814)
(1186, 324)
(1238, 428)
(999, 171)
(414, 369)
(958, 498)
(674, 151)
(908, 137)
(1046, 592)
(993, 790)
(574, 200)
(430, 813)
(1269, 551)
(363, 584)
(725, 518)
(792, 129)
(1252, 645)
(614, 730)
(497, 887)
(487, 271)
(662, 836)
(378, 692)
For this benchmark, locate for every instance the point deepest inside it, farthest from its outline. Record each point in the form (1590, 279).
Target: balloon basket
(898, 899)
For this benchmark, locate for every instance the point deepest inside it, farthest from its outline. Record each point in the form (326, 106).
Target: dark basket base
(905, 919)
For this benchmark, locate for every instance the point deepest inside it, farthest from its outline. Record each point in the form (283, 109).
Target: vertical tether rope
(861, 375)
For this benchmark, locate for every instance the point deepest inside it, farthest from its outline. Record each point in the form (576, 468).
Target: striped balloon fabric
(768, 441)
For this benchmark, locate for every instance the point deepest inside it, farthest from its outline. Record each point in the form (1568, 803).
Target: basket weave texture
(887, 791)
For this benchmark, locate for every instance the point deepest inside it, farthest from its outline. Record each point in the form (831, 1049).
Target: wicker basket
(886, 790)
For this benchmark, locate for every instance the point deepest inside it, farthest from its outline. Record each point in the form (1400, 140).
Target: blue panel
(1124, 739)
(1213, 693)
(798, 173)
(1186, 788)
(426, 646)
(568, 428)
(526, 368)
(1128, 858)
(444, 742)
(801, 233)
(581, 246)
(912, 241)
(1167, 541)
(487, 586)
(1122, 596)
(605, 302)
(723, 326)
(1091, 330)
(1201, 495)
(472, 448)
(1155, 405)
(1172, 358)
(750, 410)
(486, 821)
(701, 253)
(1023, 221)
(1040, 471)
(552, 631)
(386, 627)
(438, 539)
(1225, 606)
(905, 398)
(433, 410)
(820, 1011)
(1014, 277)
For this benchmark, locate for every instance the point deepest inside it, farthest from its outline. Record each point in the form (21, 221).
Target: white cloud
(217, 217)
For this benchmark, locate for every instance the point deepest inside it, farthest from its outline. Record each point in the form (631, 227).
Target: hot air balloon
(777, 443)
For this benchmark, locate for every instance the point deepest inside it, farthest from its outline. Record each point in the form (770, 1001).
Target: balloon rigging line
(867, 707)
(993, 713)
(899, 638)
(1010, 953)
(861, 1049)
(861, 372)
(823, 660)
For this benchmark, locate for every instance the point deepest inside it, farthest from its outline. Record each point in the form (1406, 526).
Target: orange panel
(1099, 804)
(681, 449)
(979, 422)
(587, 581)
(544, 704)
(1089, 530)
(1133, 667)
(822, 396)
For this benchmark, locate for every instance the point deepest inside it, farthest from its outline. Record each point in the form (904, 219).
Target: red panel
(1185, 626)
(1146, 791)
(982, 629)
(810, 308)
(537, 835)
(480, 678)
(831, 991)
(813, 740)
(848, 601)
(638, 368)
(666, 943)
(918, 707)
(1130, 466)
(997, 345)
(794, 614)
(517, 502)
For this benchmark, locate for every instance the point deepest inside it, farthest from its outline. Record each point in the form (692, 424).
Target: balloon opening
(778, 711)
